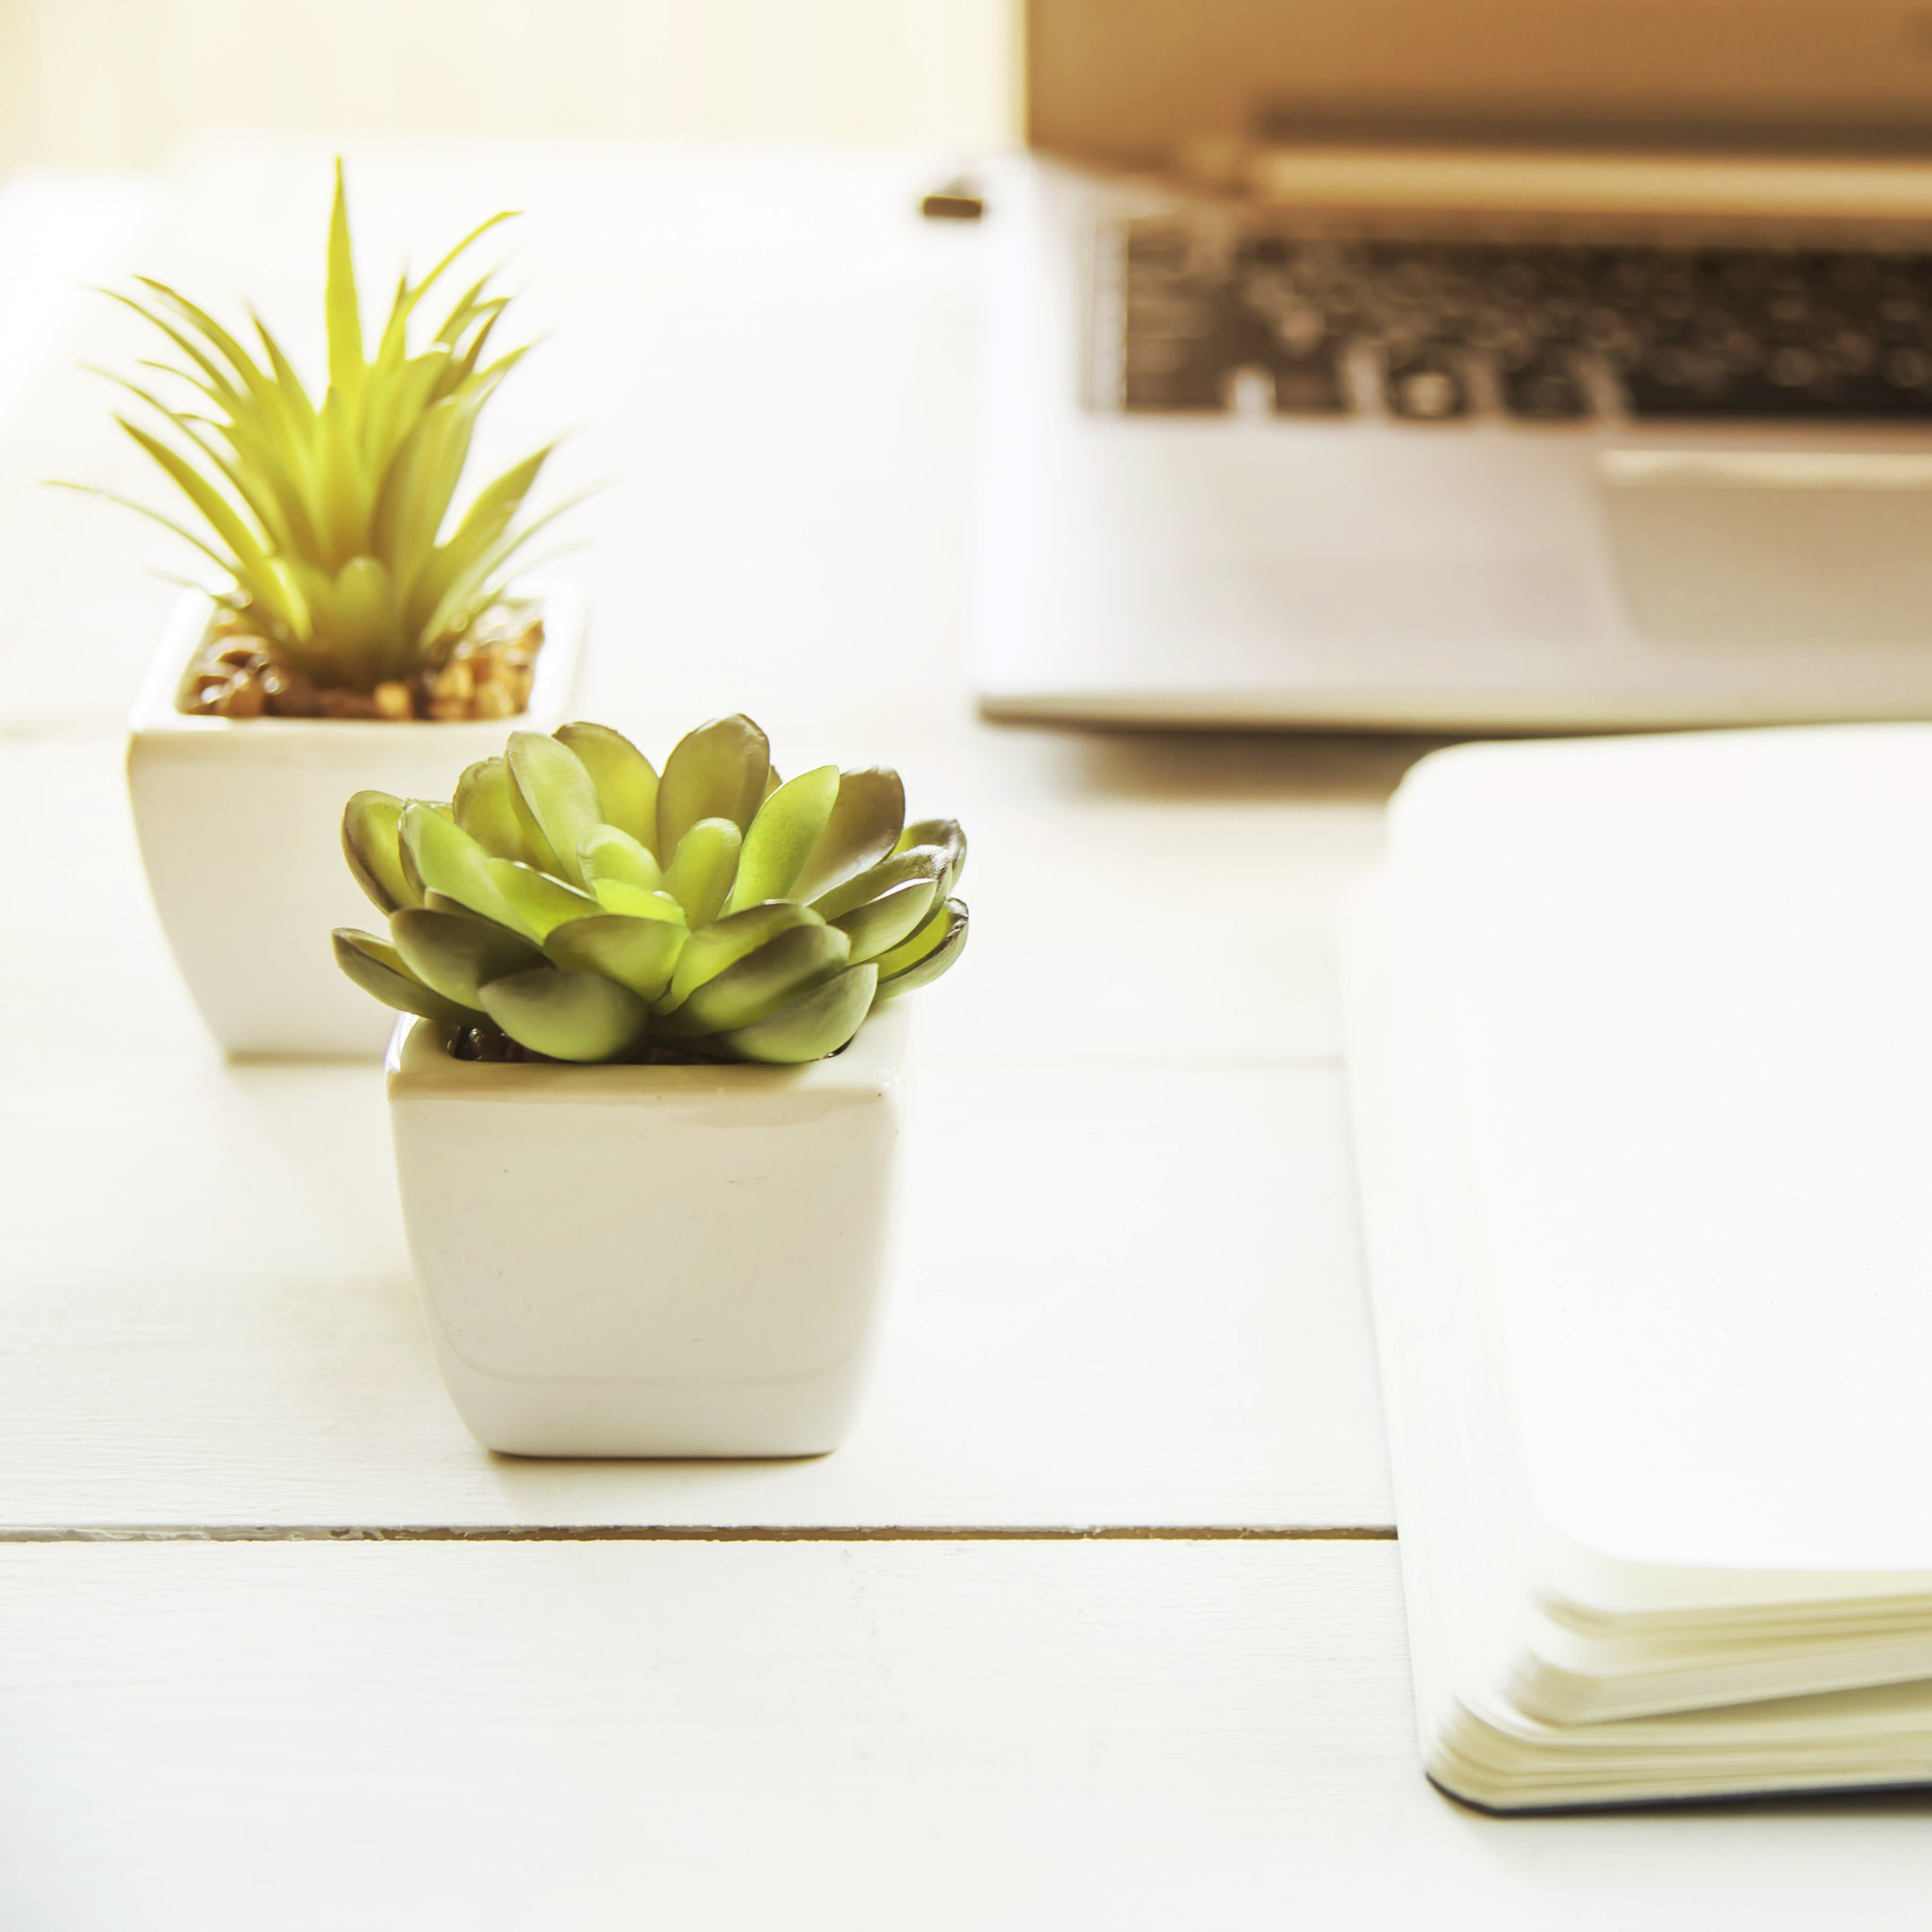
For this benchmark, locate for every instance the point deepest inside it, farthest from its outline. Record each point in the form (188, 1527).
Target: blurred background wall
(113, 83)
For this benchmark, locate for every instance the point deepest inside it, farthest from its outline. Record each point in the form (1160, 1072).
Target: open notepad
(1641, 1053)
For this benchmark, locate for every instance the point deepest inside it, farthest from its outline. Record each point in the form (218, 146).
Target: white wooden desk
(1097, 1621)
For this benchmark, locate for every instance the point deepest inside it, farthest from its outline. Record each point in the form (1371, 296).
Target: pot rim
(417, 1068)
(154, 710)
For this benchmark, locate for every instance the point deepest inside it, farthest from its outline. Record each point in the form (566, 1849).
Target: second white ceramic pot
(240, 824)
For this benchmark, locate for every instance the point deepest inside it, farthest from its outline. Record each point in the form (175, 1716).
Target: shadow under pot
(239, 822)
(678, 1261)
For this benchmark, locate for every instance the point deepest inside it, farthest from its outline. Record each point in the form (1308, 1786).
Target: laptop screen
(1131, 82)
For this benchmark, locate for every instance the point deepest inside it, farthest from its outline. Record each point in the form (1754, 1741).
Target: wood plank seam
(539, 1533)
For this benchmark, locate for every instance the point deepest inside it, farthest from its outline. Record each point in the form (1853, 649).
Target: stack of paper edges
(1641, 1052)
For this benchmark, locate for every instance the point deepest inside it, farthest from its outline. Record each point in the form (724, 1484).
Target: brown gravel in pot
(488, 675)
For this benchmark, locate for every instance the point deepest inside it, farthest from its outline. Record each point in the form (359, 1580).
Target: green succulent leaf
(634, 902)
(626, 782)
(378, 968)
(607, 853)
(537, 901)
(717, 772)
(934, 948)
(714, 947)
(863, 826)
(913, 948)
(486, 807)
(881, 924)
(944, 836)
(758, 984)
(447, 861)
(371, 843)
(570, 1016)
(813, 1025)
(456, 954)
(700, 873)
(637, 953)
(553, 783)
(783, 836)
(926, 863)
(537, 848)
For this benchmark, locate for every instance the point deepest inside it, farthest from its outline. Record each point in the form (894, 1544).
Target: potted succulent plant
(646, 1106)
(361, 628)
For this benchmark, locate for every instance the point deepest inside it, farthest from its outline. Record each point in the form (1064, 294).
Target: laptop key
(1311, 386)
(1908, 368)
(1430, 388)
(1546, 391)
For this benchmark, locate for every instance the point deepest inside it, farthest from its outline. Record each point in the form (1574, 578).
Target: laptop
(1532, 365)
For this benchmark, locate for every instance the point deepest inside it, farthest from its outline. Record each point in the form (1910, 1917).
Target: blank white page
(1687, 984)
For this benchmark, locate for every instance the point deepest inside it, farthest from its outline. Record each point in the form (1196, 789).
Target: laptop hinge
(1460, 186)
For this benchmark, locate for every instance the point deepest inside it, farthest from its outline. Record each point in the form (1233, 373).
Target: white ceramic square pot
(240, 823)
(651, 1260)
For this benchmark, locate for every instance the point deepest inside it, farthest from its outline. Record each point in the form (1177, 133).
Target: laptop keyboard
(1262, 322)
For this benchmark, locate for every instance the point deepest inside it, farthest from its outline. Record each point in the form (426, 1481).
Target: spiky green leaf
(345, 317)
(295, 495)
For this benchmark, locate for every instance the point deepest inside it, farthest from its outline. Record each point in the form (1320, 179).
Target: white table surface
(1135, 1305)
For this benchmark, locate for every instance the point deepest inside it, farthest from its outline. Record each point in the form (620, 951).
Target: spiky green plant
(576, 902)
(331, 518)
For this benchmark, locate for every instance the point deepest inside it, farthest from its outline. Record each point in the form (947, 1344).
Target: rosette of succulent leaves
(329, 517)
(574, 901)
